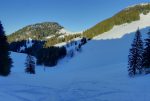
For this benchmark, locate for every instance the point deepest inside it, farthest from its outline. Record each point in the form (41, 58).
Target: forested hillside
(37, 31)
(125, 16)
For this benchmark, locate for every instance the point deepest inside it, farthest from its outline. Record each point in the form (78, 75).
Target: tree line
(56, 39)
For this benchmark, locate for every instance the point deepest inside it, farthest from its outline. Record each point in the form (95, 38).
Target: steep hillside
(121, 30)
(127, 15)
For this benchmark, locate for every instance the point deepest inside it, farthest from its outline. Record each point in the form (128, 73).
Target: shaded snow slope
(121, 30)
(98, 73)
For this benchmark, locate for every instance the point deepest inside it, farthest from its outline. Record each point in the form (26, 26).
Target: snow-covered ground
(98, 73)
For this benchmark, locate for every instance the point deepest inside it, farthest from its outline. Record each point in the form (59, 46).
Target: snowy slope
(98, 73)
(121, 30)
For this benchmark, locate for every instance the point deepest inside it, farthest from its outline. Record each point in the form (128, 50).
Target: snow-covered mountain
(125, 16)
(121, 30)
(97, 73)
(39, 31)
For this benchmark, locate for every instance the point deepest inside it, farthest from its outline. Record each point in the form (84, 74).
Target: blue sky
(74, 15)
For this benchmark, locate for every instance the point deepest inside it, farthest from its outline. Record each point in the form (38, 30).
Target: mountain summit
(37, 31)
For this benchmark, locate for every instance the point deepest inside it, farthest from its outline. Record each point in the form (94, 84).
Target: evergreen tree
(135, 55)
(30, 64)
(5, 60)
(146, 53)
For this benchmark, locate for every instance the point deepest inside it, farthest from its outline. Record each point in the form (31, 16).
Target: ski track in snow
(73, 92)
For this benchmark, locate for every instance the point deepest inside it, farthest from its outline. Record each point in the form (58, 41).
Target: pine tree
(135, 55)
(30, 64)
(146, 54)
(5, 60)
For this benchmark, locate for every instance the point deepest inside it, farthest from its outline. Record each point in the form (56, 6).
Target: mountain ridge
(127, 15)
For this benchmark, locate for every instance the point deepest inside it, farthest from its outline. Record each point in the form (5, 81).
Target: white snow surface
(121, 30)
(97, 73)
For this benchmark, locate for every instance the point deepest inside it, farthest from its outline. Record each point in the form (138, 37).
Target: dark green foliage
(5, 60)
(15, 46)
(47, 56)
(37, 31)
(146, 53)
(125, 16)
(30, 64)
(135, 55)
(55, 40)
(50, 56)
(37, 45)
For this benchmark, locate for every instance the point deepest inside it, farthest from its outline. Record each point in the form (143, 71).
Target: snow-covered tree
(146, 54)
(5, 60)
(30, 64)
(135, 55)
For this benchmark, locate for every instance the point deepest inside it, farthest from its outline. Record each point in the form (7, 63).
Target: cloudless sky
(74, 15)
